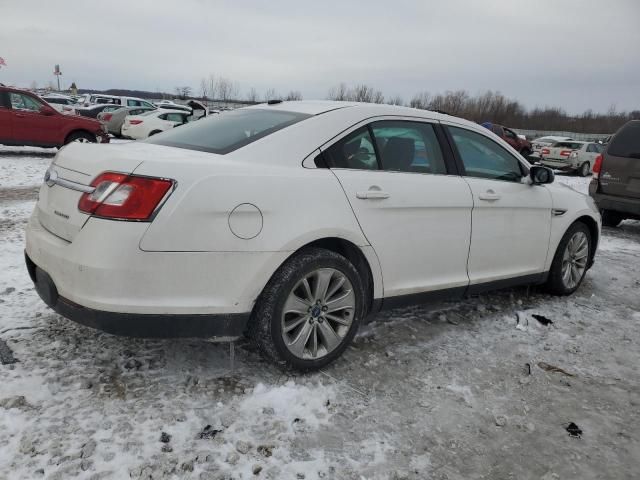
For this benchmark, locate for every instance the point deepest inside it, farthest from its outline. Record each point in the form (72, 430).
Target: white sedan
(573, 156)
(152, 122)
(294, 221)
(543, 142)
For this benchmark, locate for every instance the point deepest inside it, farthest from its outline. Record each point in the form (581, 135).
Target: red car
(520, 144)
(26, 119)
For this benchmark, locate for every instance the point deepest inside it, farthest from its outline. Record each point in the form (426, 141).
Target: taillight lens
(124, 197)
(545, 151)
(565, 153)
(106, 117)
(597, 166)
(135, 122)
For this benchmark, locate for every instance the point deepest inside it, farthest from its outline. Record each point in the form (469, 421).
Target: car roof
(317, 107)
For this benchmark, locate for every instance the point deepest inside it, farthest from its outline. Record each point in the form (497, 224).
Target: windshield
(228, 131)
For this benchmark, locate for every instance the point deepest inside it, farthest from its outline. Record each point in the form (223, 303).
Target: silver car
(113, 116)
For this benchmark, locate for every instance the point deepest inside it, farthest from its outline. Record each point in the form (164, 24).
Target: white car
(152, 122)
(543, 142)
(574, 156)
(61, 103)
(293, 221)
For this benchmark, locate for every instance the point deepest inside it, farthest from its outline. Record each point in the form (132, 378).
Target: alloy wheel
(574, 259)
(318, 313)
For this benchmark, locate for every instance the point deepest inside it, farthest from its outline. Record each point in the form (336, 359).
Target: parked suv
(520, 144)
(26, 119)
(615, 186)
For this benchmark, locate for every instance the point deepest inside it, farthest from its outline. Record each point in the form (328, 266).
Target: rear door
(414, 211)
(620, 172)
(511, 219)
(6, 129)
(30, 127)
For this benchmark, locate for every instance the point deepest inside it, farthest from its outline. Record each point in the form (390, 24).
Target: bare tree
(252, 95)
(204, 88)
(397, 100)
(271, 94)
(226, 89)
(338, 92)
(293, 95)
(365, 93)
(212, 86)
(421, 100)
(185, 92)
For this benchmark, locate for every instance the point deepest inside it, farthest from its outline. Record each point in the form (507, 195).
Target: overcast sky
(576, 54)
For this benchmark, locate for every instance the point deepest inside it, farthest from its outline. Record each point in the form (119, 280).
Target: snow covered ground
(446, 391)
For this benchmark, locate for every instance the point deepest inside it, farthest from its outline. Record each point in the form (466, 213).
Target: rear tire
(81, 137)
(571, 260)
(585, 169)
(611, 218)
(291, 328)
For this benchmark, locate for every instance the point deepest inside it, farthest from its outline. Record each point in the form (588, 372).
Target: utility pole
(57, 73)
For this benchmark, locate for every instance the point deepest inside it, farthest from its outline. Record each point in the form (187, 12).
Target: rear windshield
(626, 143)
(227, 131)
(571, 145)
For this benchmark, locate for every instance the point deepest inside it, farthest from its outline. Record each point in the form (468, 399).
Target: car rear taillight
(135, 122)
(124, 197)
(106, 117)
(597, 166)
(545, 151)
(565, 153)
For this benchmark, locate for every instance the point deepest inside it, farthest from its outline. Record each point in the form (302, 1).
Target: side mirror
(541, 175)
(44, 110)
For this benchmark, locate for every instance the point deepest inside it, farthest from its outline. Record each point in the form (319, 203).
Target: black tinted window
(626, 143)
(353, 151)
(408, 147)
(484, 158)
(229, 131)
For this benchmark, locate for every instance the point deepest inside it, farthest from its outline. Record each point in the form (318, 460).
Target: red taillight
(597, 166)
(106, 117)
(545, 151)
(135, 122)
(565, 153)
(124, 197)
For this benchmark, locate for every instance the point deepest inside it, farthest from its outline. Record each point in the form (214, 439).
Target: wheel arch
(77, 130)
(592, 225)
(370, 274)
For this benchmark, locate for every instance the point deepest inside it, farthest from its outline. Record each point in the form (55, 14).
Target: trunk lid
(73, 170)
(620, 172)
(560, 152)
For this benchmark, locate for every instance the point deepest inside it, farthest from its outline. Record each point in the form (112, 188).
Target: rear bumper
(220, 326)
(558, 164)
(627, 206)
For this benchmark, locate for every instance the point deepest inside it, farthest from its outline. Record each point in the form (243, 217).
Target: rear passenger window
(408, 147)
(353, 151)
(484, 158)
(626, 143)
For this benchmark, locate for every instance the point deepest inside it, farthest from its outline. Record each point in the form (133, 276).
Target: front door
(416, 216)
(30, 127)
(511, 219)
(6, 130)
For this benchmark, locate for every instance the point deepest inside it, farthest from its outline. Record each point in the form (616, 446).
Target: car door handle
(372, 195)
(489, 196)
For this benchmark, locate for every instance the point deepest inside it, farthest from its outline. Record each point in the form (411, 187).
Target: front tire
(310, 310)
(611, 218)
(571, 260)
(81, 137)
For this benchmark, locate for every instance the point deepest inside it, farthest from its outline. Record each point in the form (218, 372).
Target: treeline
(488, 106)
(494, 107)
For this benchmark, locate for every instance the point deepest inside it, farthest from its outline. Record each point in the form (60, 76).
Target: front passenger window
(353, 151)
(484, 158)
